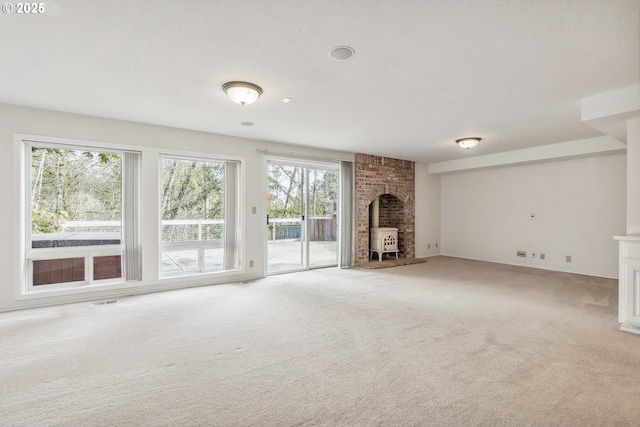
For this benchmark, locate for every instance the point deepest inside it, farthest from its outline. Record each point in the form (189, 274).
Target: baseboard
(428, 256)
(539, 267)
(172, 284)
(626, 327)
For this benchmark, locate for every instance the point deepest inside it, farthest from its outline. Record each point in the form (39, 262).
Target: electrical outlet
(542, 256)
(250, 263)
(568, 258)
(522, 254)
(253, 209)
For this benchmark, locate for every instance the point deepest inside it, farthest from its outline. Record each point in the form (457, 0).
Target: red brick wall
(394, 180)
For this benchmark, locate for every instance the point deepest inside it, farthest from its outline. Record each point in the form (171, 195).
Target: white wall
(579, 205)
(32, 121)
(427, 212)
(633, 176)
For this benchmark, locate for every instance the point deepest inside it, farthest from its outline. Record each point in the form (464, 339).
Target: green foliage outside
(76, 185)
(192, 189)
(286, 183)
(73, 185)
(43, 221)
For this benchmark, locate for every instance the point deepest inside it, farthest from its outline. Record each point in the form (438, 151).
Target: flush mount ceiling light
(468, 142)
(242, 93)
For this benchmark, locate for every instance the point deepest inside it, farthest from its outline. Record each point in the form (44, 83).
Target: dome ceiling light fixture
(242, 93)
(468, 142)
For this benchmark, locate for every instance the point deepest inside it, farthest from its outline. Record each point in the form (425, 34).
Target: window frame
(72, 252)
(88, 252)
(202, 246)
(149, 237)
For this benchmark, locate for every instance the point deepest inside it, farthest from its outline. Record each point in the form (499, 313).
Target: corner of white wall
(427, 212)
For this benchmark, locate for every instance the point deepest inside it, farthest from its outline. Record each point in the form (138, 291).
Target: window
(80, 215)
(200, 216)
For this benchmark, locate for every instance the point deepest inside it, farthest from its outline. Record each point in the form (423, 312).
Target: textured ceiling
(424, 73)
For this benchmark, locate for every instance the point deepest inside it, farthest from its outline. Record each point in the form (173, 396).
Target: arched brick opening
(389, 180)
(391, 213)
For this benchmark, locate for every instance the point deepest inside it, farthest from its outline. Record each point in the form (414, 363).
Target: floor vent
(111, 301)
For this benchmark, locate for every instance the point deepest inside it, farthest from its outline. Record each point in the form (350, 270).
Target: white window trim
(150, 179)
(286, 160)
(201, 246)
(72, 252)
(31, 254)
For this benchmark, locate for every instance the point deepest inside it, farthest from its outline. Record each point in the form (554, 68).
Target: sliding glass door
(285, 219)
(302, 216)
(322, 226)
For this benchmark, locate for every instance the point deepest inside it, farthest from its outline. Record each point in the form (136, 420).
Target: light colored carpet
(449, 342)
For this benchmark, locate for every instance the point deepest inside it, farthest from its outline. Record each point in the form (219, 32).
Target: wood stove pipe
(375, 213)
